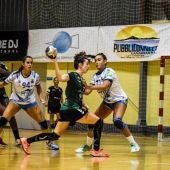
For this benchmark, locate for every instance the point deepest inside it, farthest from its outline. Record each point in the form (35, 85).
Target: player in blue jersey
(23, 97)
(73, 109)
(115, 101)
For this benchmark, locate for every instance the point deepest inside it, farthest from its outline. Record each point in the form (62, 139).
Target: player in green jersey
(73, 109)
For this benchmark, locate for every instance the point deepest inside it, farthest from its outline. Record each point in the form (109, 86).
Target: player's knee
(3, 121)
(118, 123)
(43, 125)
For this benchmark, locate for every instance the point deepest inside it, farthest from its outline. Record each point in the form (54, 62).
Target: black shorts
(52, 109)
(72, 115)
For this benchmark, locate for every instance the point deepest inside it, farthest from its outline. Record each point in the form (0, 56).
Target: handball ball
(51, 52)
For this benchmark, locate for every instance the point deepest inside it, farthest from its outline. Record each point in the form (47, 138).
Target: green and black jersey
(74, 90)
(73, 110)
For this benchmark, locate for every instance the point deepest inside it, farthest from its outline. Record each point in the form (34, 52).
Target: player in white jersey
(24, 80)
(115, 100)
(112, 94)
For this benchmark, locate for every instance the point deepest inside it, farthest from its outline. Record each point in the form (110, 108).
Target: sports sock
(14, 127)
(97, 134)
(43, 136)
(131, 139)
(89, 141)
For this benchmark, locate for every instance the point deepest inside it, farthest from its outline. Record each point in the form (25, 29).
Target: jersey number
(24, 84)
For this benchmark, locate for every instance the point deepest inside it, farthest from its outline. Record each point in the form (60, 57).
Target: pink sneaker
(98, 159)
(25, 145)
(99, 153)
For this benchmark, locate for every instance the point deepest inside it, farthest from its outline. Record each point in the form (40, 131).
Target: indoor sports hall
(134, 36)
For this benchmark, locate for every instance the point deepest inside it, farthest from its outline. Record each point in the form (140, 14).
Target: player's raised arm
(51, 52)
(60, 77)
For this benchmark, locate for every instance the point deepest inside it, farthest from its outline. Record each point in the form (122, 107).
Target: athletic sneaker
(83, 149)
(98, 159)
(52, 145)
(99, 153)
(17, 142)
(2, 143)
(135, 147)
(25, 145)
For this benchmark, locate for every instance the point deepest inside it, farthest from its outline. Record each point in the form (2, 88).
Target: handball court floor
(152, 156)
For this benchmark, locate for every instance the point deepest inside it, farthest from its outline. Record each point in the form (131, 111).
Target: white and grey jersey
(115, 92)
(23, 87)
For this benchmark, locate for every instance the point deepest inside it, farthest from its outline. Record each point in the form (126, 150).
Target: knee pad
(44, 125)
(3, 121)
(118, 123)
